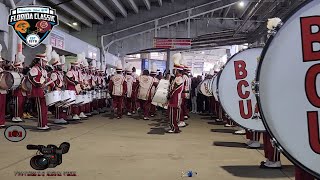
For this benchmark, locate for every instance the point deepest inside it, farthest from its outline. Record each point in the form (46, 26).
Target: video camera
(51, 155)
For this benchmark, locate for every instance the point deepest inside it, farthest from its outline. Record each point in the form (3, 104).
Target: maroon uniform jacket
(176, 89)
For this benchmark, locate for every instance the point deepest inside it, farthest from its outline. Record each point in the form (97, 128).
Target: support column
(168, 61)
(156, 22)
(189, 23)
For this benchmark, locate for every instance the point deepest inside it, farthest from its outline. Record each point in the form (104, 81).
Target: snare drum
(79, 99)
(26, 85)
(53, 97)
(99, 94)
(288, 87)
(72, 100)
(94, 95)
(65, 96)
(235, 94)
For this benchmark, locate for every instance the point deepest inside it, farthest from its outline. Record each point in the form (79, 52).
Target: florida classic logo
(33, 23)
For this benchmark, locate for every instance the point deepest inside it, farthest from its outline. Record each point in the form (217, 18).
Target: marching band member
(103, 87)
(99, 86)
(175, 98)
(81, 82)
(92, 84)
(134, 90)
(129, 98)
(57, 77)
(18, 93)
(38, 76)
(185, 97)
(71, 82)
(87, 79)
(94, 80)
(153, 89)
(146, 82)
(3, 94)
(118, 87)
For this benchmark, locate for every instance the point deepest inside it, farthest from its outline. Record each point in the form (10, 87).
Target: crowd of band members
(44, 75)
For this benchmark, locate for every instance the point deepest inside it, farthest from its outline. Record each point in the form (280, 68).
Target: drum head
(9, 80)
(205, 87)
(289, 87)
(235, 92)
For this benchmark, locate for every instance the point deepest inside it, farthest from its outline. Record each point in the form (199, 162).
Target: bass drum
(289, 87)
(235, 93)
(205, 87)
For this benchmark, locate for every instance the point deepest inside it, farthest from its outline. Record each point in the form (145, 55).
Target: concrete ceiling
(213, 22)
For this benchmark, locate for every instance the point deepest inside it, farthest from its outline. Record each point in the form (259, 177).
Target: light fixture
(75, 23)
(241, 4)
(202, 52)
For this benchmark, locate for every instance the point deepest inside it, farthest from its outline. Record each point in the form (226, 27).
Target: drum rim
(216, 90)
(263, 53)
(218, 80)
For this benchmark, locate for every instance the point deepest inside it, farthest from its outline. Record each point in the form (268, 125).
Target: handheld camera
(50, 156)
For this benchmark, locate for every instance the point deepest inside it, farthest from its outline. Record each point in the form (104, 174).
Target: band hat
(62, 60)
(19, 60)
(55, 61)
(98, 66)
(128, 68)
(93, 64)
(102, 67)
(211, 72)
(119, 66)
(0, 53)
(176, 58)
(42, 56)
(154, 69)
(85, 63)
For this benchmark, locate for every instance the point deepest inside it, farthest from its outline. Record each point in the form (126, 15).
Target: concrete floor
(131, 148)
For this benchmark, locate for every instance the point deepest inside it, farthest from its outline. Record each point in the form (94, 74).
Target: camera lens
(39, 162)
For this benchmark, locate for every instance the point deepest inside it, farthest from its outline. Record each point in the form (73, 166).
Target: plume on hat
(273, 23)
(176, 58)
(62, 59)
(48, 51)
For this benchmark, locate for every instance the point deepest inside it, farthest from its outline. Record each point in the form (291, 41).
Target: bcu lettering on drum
(289, 87)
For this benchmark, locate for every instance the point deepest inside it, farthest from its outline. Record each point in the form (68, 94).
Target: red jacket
(176, 89)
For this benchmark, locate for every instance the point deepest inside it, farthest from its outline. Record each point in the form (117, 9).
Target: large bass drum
(235, 91)
(289, 87)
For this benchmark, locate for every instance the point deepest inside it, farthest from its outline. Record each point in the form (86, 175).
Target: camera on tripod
(50, 157)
